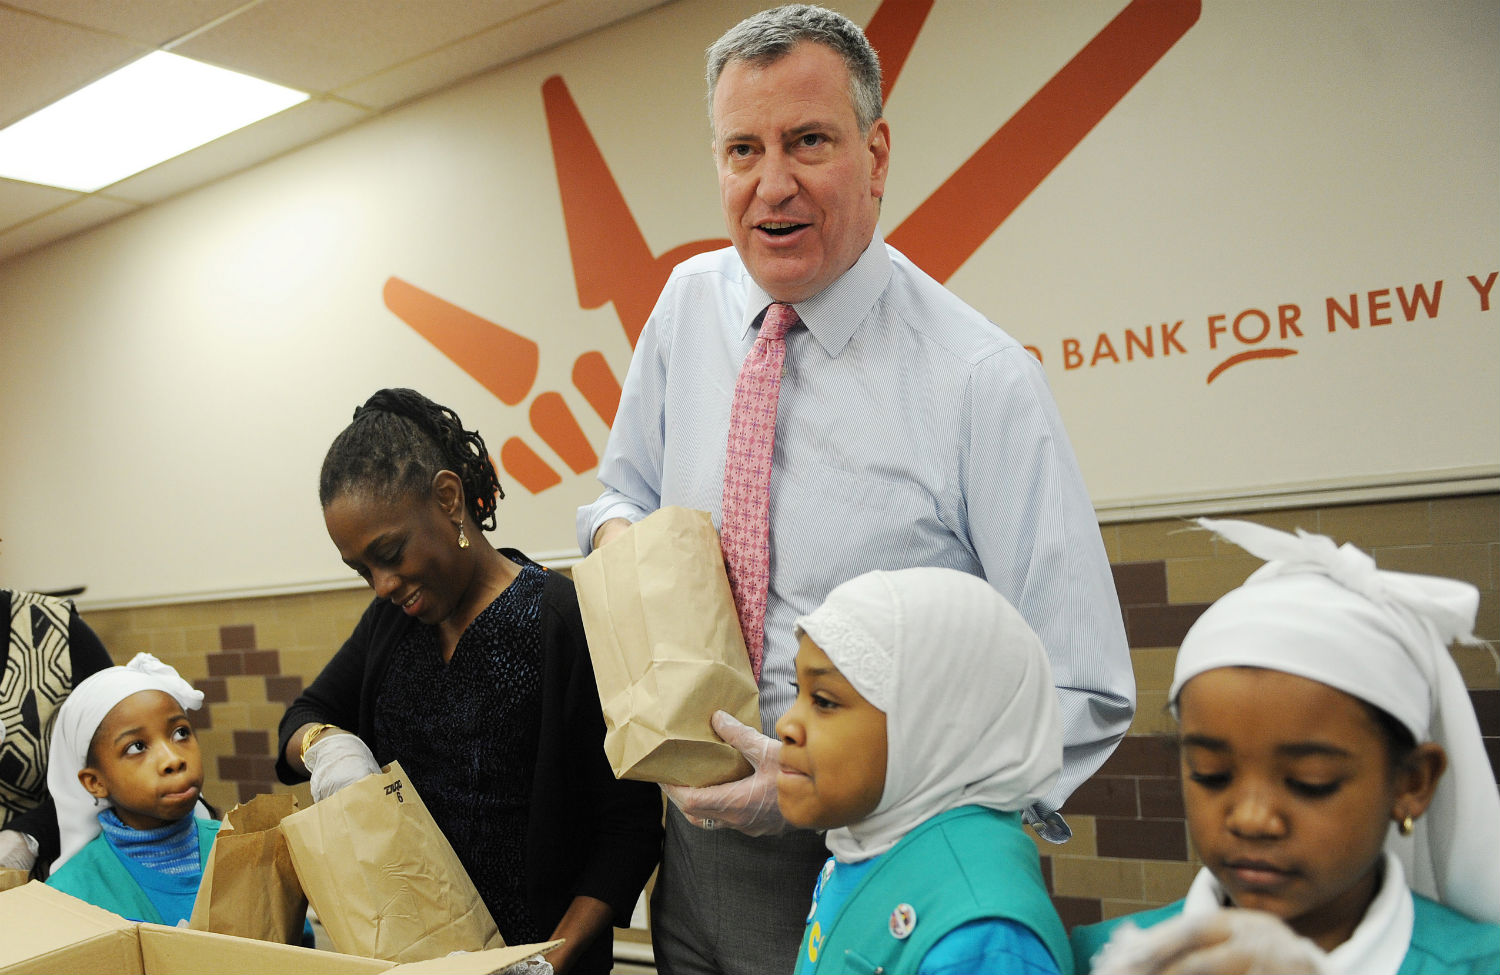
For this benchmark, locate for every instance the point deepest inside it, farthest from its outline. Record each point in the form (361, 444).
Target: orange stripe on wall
(529, 470)
(551, 418)
(502, 361)
(952, 223)
(892, 32)
(593, 377)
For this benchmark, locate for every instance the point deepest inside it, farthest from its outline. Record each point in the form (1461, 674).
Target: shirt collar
(835, 313)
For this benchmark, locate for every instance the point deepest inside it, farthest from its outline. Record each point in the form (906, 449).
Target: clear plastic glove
(337, 760)
(749, 804)
(1227, 942)
(530, 965)
(17, 850)
(534, 965)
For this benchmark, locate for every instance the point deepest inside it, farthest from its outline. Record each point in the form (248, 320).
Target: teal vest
(968, 864)
(1442, 940)
(95, 874)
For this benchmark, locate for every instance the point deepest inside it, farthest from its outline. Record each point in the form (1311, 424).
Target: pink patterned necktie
(745, 535)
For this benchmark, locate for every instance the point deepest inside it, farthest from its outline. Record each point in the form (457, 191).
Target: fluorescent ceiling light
(147, 112)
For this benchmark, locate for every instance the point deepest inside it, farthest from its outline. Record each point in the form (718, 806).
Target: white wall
(171, 381)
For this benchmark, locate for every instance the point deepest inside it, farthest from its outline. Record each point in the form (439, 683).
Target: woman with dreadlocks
(470, 668)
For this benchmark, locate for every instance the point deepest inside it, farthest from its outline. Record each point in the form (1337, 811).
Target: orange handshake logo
(612, 262)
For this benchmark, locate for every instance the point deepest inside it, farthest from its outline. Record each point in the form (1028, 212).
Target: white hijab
(1326, 613)
(971, 713)
(76, 721)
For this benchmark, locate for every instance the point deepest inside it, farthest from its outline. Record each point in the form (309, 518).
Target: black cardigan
(88, 657)
(587, 833)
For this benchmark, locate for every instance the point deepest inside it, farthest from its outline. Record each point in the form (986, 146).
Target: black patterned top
(472, 752)
(589, 834)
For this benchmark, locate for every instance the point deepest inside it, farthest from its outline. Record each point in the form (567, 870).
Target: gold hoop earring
(1405, 826)
(463, 540)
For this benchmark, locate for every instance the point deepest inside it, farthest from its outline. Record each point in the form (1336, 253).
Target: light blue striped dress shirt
(910, 431)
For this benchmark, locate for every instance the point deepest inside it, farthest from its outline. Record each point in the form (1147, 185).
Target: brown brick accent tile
(247, 767)
(1466, 519)
(1469, 562)
(252, 742)
(1141, 583)
(249, 790)
(1104, 795)
(1160, 626)
(1205, 580)
(240, 637)
(1167, 881)
(1143, 839)
(1374, 525)
(1154, 755)
(283, 690)
(1153, 667)
(1476, 664)
(230, 664)
(1078, 910)
(1487, 709)
(1098, 877)
(203, 718)
(215, 690)
(1161, 798)
(1287, 521)
(1173, 538)
(267, 662)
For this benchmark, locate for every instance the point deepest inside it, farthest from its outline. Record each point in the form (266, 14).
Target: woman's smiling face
(406, 549)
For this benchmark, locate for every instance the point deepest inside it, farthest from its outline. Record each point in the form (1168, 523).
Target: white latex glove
(17, 850)
(749, 804)
(336, 761)
(1227, 942)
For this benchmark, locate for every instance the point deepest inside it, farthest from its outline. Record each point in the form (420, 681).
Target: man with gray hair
(837, 411)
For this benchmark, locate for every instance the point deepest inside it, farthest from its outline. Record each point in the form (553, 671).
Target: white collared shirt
(910, 431)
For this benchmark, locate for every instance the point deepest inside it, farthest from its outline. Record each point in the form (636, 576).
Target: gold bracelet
(311, 735)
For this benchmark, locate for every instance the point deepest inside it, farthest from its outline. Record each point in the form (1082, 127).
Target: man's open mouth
(778, 228)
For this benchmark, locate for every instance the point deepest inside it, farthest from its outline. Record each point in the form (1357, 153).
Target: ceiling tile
(22, 201)
(43, 60)
(239, 150)
(375, 53)
(502, 44)
(321, 45)
(87, 212)
(148, 22)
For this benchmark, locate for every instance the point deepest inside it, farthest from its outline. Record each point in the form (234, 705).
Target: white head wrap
(76, 721)
(971, 713)
(1326, 613)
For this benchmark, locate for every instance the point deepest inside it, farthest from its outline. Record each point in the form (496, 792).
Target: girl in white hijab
(1333, 773)
(925, 720)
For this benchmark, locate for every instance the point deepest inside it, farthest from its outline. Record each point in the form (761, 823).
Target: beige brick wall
(1129, 849)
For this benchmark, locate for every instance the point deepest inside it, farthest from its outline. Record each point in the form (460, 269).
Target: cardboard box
(46, 930)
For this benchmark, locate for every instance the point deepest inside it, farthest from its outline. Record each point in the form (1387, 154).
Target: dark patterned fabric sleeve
(334, 696)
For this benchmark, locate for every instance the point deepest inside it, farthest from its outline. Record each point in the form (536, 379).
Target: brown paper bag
(249, 886)
(667, 650)
(13, 878)
(382, 877)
